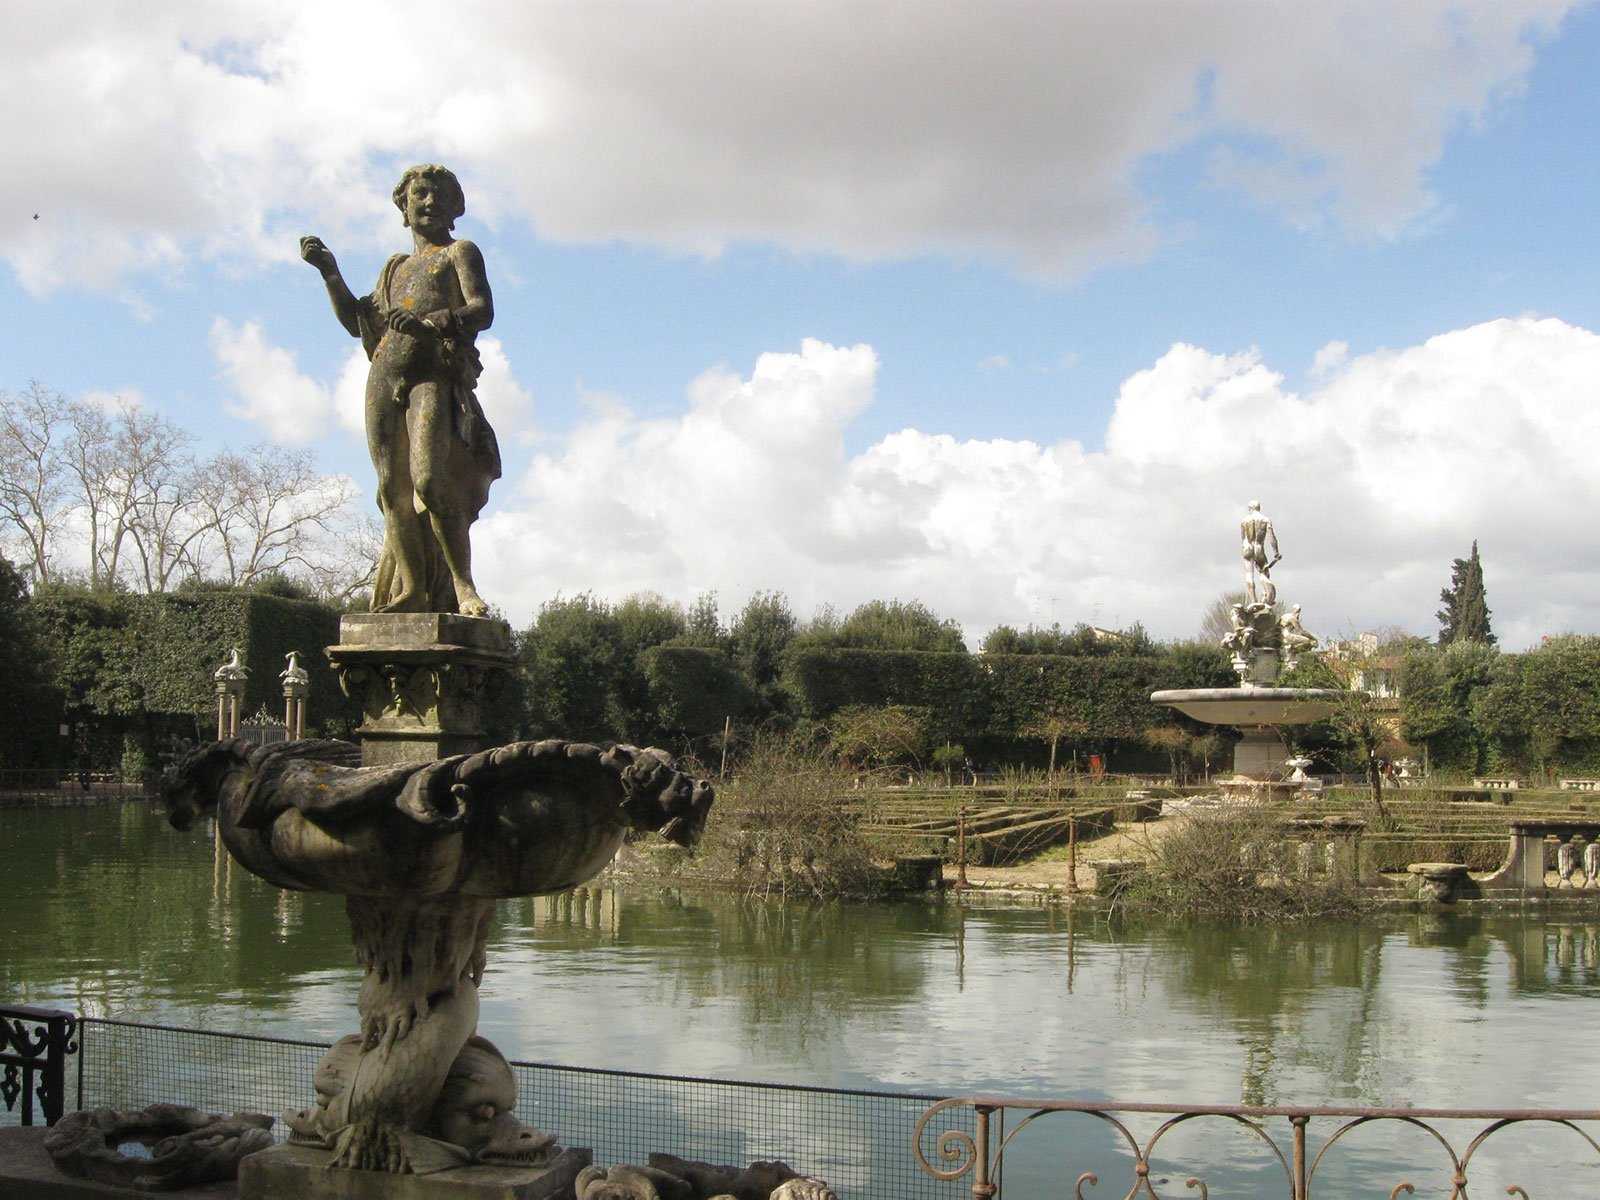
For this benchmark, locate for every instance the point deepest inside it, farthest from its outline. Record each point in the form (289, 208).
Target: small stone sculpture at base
(1255, 642)
(471, 1122)
(187, 1147)
(802, 1188)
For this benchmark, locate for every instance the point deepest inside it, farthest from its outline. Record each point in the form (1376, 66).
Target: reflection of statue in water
(1257, 534)
(435, 454)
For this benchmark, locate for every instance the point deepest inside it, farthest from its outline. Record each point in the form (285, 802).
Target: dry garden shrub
(788, 824)
(1242, 862)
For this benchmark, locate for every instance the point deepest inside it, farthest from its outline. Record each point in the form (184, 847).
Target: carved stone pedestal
(292, 1172)
(425, 681)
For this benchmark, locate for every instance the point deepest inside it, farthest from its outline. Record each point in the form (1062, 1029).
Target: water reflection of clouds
(1387, 1019)
(936, 996)
(929, 997)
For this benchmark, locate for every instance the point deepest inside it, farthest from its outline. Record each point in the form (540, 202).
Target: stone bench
(1112, 875)
(1497, 783)
(1579, 785)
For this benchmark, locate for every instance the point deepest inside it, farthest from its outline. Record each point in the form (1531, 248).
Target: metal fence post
(1299, 1123)
(34, 1044)
(982, 1187)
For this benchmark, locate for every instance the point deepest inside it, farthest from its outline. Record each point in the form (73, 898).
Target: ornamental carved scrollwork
(414, 692)
(423, 696)
(364, 685)
(1280, 1136)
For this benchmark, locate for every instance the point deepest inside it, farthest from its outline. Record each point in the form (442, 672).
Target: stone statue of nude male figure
(434, 452)
(1256, 535)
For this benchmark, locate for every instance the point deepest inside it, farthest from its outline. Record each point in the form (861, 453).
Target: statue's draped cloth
(474, 452)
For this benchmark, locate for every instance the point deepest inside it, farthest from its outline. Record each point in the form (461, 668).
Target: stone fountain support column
(296, 688)
(230, 678)
(1259, 753)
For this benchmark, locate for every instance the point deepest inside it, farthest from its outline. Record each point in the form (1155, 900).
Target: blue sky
(1007, 307)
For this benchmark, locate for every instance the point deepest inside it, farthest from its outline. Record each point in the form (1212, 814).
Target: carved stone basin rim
(1250, 705)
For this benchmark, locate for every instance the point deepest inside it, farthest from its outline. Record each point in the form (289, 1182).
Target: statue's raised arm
(434, 452)
(345, 305)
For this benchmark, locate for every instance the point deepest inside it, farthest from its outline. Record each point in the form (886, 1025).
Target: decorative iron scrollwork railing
(34, 1044)
(1285, 1135)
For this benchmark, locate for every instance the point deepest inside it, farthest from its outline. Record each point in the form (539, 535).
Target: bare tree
(267, 511)
(126, 472)
(33, 428)
(162, 526)
(125, 481)
(348, 564)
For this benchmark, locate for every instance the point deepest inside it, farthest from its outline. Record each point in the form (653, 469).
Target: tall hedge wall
(129, 671)
(988, 702)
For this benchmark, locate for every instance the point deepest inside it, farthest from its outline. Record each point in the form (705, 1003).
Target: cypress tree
(1465, 615)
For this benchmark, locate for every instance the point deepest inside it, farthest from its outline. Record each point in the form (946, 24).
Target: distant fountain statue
(1261, 644)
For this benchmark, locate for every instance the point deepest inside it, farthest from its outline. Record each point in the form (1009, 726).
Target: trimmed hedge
(130, 671)
(988, 702)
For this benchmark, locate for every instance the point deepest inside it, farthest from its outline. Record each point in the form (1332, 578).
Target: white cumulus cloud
(1391, 465)
(1006, 129)
(271, 390)
(1376, 479)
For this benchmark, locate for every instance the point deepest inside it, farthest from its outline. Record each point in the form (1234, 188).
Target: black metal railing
(34, 1044)
(854, 1139)
(898, 1146)
(1288, 1146)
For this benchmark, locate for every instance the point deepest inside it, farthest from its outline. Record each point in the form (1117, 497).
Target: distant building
(1366, 670)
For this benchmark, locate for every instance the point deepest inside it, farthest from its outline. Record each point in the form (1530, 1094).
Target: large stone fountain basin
(1249, 705)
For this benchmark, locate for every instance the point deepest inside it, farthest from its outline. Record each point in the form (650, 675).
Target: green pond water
(108, 911)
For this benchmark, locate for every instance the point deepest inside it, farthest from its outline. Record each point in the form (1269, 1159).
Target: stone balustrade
(1577, 857)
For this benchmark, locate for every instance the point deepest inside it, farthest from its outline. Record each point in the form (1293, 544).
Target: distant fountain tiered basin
(1262, 642)
(1251, 705)
(1260, 759)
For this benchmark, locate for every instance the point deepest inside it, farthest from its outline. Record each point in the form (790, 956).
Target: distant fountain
(1262, 644)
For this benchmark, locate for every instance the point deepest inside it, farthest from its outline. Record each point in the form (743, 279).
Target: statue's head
(442, 178)
(1254, 506)
(191, 785)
